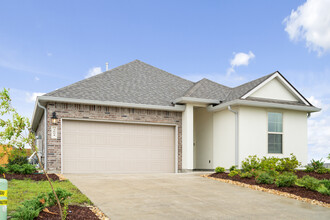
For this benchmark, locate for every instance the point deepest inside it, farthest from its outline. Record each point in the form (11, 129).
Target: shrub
(256, 173)
(326, 183)
(272, 173)
(234, 167)
(3, 170)
(321, 170)
(269, 163)
(17, 156)
(309, 169)
(246, 175)
(62, 195)
(233, 173)
(316, 164)
(323, 190)
(286, 180)
(220, 170)
(250, 163)
(264, 178)
(30, 208)
(288, 164)
(21, 169)
(308, 182)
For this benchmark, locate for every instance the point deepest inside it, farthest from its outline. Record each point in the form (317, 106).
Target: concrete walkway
(187, 196)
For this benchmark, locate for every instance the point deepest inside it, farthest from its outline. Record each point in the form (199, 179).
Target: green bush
(30, 208)
(256, 173)
(233, 173)
(234, 167)
(308, 182)
(251, 163)
(326, 183)
(272, 173)
(323, 190)
(286, 180)
(62, 195)
(321, 170)
(309, 169)
(3, 170)
(17, 156)
(316, 164)
(246, 175)
(269, 163)
(220, 169)
(21, 169)
(288, 164)
(264, 178)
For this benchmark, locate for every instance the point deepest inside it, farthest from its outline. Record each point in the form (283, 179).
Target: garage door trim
(124, 122)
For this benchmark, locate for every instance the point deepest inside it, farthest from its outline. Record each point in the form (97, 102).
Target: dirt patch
(35, 177)
(74, 212)
(296, 190)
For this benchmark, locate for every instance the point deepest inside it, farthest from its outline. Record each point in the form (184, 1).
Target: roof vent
(106, 66)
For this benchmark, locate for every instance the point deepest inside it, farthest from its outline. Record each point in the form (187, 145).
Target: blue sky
(45, 45)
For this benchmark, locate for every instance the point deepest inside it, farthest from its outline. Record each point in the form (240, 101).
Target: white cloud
(311, 23)
(93, 71)
(240, 59)
(36, 78)
(31, 97)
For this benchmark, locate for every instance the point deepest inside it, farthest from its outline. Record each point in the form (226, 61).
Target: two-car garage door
(102, 147)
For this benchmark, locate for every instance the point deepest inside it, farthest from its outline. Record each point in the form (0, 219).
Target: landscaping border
(272, 191)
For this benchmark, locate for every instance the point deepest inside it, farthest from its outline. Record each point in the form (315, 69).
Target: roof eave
(303, 108)
(45, 99)
(193, 100)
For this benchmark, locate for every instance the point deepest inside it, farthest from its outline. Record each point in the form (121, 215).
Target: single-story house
(137, 118)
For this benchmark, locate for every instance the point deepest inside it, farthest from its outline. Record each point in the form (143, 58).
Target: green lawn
(20, 190)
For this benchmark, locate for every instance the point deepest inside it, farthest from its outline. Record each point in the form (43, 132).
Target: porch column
(188, 138)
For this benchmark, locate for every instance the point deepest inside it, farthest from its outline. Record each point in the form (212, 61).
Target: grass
(20, 190)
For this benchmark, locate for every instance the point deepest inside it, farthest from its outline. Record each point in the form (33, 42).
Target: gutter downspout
(236, 135)
(308, 115)
(45, 135)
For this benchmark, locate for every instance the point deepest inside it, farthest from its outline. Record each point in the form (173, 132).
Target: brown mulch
(301, 173)
(35, 177)
(296, 190)
(74, 212)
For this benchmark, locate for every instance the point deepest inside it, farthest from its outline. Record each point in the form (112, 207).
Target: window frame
(273, 132)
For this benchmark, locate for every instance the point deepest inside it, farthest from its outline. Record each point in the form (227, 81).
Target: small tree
(15, 131)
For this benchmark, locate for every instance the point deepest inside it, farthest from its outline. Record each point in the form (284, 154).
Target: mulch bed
(35, 177)
(74, 212)
(296, 190)
(301, 173)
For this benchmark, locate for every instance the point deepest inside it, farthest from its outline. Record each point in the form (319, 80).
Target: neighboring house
(137, 118)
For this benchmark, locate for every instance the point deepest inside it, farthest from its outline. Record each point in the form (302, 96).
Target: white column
(188, 138)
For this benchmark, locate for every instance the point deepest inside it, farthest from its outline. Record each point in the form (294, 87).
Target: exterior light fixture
(54, 118)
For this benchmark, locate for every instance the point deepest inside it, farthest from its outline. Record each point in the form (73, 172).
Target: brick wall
(64, 110)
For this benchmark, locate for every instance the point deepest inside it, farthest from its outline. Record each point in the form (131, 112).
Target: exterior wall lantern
(54, 118)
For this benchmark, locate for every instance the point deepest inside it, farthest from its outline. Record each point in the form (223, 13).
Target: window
(275, 132)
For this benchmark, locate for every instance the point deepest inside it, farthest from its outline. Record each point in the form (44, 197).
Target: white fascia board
(45, 99)
(287, 85)
(263, 104)
(193, 100)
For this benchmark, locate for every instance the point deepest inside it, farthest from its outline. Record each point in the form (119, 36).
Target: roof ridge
(163, 71)
(193, 88)
(266, 77)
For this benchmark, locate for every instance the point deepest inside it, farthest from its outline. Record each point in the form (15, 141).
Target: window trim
(272, 132)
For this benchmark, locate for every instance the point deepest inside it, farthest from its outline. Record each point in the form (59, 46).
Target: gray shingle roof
(135, 82)
(140, 83)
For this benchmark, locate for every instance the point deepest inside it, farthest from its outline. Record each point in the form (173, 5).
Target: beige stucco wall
(223, 139)
(203, 138)
(253, 133)
(188, 138)
(274, 90)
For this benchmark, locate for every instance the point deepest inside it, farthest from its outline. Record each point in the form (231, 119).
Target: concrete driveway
(187, 196)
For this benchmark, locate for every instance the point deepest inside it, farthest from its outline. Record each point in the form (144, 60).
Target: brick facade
(64, 110)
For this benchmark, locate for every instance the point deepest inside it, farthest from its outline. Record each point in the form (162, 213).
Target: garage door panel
(98, 147)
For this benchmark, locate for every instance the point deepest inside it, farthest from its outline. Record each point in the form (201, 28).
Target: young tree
(15, 131)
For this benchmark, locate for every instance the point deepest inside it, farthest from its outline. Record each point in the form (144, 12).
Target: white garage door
(101, 147)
